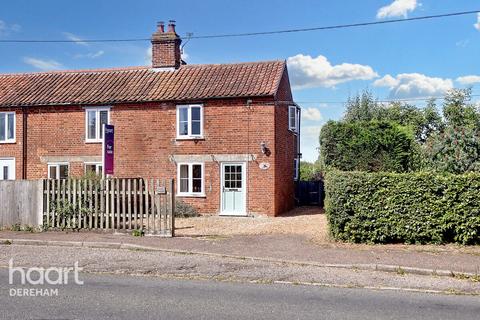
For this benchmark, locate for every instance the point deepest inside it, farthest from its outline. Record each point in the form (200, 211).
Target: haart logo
(39, 276)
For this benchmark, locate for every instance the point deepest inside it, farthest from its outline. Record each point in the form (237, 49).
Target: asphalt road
(130, 297)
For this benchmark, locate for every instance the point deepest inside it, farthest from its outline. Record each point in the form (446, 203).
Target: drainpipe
(24, 142)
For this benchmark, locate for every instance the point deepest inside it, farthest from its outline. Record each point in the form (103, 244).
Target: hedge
(373, 146)
(403, 207)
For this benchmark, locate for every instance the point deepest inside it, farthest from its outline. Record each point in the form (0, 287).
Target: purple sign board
(108, 148)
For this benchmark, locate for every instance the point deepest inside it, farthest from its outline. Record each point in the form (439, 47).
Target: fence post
(172, 207)
(40, 199)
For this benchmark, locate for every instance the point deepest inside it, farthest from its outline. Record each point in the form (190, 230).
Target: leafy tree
(310, 171)
(361, 108)
(456, 147)
(457, 110)
(455, 150)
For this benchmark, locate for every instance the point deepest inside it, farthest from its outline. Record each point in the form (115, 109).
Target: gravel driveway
(309, 222)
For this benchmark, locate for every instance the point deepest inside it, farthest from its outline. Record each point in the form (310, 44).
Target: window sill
(190, 138)
(8, 142)
(93, 141)
(191, 195)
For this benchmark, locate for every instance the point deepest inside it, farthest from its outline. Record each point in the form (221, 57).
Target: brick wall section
(57, 131)
(286, 150)
(229, 128)
(14, 150)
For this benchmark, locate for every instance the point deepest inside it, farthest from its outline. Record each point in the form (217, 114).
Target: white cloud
(477, 25)
(398, 8)
(409, 85)
(468, 80)
(6, 29)
(386, 81)
(308, 72)
(311, 132)
(311, 114)
(90, 55)
(75, 38)
(43, 64)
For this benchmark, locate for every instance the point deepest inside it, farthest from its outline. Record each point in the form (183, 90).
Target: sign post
(108, 149)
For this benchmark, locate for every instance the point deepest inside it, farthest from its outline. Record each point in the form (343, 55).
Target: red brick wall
(57, 131)
(286, 150)
(146, 141)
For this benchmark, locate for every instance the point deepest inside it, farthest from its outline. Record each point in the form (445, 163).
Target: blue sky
(404, 60)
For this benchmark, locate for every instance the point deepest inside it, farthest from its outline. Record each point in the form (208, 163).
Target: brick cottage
(227, 133)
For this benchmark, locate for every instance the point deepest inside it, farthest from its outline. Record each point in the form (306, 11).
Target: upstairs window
(57, 170)
(7, 127)
(190, 179)
(293, 118)
(95, 118)
(190, 121)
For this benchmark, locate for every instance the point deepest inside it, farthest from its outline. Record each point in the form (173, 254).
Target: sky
(408, 60)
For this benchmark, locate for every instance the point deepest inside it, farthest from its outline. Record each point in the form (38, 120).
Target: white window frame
(189, 135)
(12, 140)
(98, 127)
(295, 111)
(57, 165)
(190, 192)
(96, 164)
(296, 167)
(14, 166)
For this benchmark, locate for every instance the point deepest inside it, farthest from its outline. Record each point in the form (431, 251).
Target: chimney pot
(171, 26)
(161, 26)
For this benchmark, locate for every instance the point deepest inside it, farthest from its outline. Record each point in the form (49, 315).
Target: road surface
(132, 297)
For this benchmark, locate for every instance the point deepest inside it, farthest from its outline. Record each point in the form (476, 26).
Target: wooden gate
(310, 193)
(145, 205)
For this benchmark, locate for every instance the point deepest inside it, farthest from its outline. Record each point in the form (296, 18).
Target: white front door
(7, 169)
(233, 189)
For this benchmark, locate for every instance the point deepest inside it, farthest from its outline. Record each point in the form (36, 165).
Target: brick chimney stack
(166, 47)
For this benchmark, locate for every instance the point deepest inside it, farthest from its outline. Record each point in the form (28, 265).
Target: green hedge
(373, 146)
(403, 208)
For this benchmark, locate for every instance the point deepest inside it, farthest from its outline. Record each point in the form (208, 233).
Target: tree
(455, 147)
(361, 107)
(457, 110)
(310, 171)
(423, 122)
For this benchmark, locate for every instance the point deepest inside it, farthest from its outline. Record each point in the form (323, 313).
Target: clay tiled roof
(141, 84)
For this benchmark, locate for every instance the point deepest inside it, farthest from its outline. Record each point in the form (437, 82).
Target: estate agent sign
(108, 148)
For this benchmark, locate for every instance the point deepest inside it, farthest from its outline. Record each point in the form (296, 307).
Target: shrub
(184, 210)
(403, 208)
(367, 146)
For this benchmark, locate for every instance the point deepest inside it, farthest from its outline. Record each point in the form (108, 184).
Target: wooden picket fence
(146, 205)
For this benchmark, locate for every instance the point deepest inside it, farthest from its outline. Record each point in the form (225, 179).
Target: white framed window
(95, 118)
(190, 121)
(7, 127)
(94, 167)
(58, 170)
(190, 179)
(293, 120)
(296, 167)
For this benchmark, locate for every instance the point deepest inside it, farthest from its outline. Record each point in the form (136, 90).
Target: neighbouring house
(227, 133)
